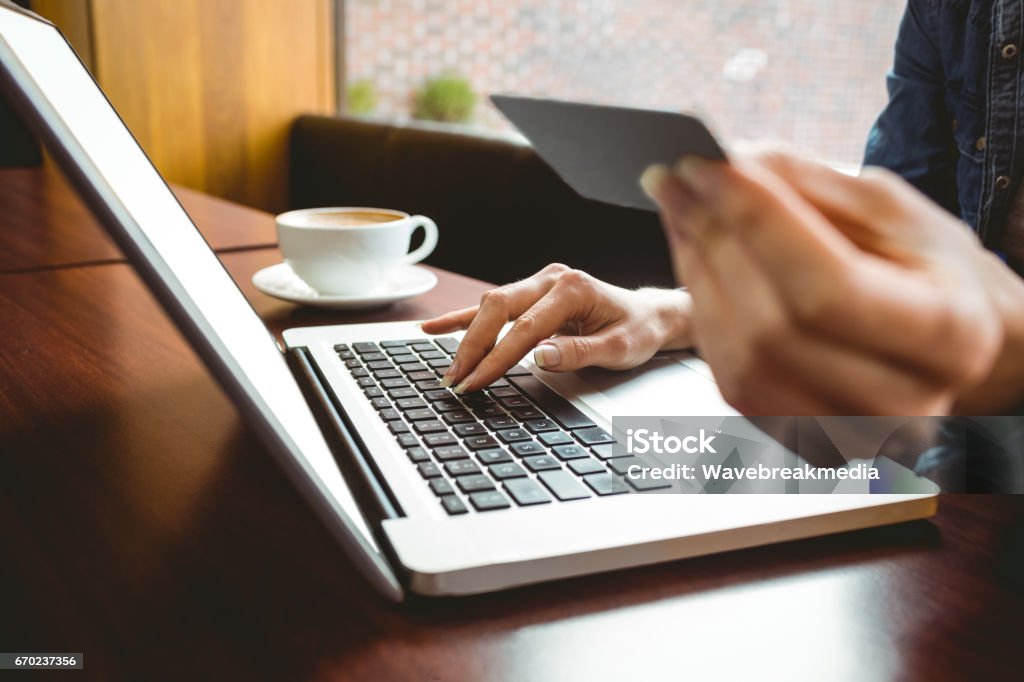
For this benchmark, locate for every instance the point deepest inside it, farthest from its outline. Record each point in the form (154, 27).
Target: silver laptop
(481, 499)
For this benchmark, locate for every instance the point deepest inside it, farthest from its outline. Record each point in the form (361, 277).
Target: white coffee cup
(350, 251)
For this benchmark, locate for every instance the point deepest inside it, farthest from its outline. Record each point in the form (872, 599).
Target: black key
(593, 436)
(557, 407)
(389, 414)
(555, 438)
(380, 364)
(417, 455)
(404, 360)
(395, 343)
(398, 426)
(450, 452)
(441, 487)
(448, 344)
(374, 392)
(386, 373)
(493, 456)
(462, 467)
(488, 501)
(515, 401)
(562, 485)
(395, 383)
(476, 398)
(448, 406)
(542, 463)
(518, 371)
(397, 393)
(505, 391)
(527, 413)
(458, 417)
(453, 505)
(422, 346)
(410, 404)
(346, 355)
(397, 350)
(606, 484)
(373, 357)
(498, 383)
(420, 415)
(381, 403)
(501, 422)
(506, 470)
(428, 385)
(441, 438)
(431, 354)
(527, 448)
(525, 492)
(582, 467)
(442, 394)
(470, 429)
(480, 442)
(428, 470)
(359, 372)
(513, 435)
(340, 347)
(485, 411)
(622, 464)
(440, 363)
(366, 382)
(474, 483)
(414, 367)
(565, 452)
(407, 440)
(606, 451)
(365, 347)
(429, 426)
(540, 425)
(426, 375)
(353, 363)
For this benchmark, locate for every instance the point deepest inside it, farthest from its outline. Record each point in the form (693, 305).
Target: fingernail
(652, 178)
(547, 355)
(419, 325)
(446, 381)
(690, 169)
(461, 388)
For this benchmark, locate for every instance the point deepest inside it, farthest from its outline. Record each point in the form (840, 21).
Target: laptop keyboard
(515, 443)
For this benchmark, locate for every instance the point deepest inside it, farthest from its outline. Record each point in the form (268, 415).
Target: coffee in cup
(350, 251)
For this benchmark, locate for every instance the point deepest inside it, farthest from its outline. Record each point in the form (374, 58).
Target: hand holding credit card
(601, 151)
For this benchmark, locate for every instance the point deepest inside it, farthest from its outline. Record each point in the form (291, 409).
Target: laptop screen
(102, 156)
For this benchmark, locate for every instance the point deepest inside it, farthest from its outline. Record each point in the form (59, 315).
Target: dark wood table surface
(142, 524)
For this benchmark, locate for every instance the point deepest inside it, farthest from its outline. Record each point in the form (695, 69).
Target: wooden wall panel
(210, 87)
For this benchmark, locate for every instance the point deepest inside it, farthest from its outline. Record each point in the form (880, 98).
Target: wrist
(674, 315)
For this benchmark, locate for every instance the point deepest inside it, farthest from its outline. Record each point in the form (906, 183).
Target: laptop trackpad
(675, 383)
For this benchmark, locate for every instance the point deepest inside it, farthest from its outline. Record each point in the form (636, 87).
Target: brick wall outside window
(810, 73)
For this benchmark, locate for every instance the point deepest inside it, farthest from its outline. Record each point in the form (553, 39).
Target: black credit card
(601, 151)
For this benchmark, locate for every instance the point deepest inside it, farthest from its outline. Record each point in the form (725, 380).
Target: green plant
(360, 97)
(448, 97)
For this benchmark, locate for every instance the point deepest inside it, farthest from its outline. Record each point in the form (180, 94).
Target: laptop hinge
(372, 493)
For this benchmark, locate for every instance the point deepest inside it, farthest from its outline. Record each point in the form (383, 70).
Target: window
(810, 73)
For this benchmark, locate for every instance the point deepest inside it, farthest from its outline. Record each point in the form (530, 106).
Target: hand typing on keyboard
(570, 320)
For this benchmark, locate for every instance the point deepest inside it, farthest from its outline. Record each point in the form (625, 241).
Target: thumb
(568, 353)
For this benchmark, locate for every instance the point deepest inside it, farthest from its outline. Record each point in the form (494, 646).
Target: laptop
(513, 485)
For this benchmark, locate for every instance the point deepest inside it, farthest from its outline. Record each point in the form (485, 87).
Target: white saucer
(406, 281)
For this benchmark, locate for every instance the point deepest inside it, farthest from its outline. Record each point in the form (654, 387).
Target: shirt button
(1009, 51)
(1002, 182)
(981, 144)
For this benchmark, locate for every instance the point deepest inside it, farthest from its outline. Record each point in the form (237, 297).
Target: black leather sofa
(501, 212)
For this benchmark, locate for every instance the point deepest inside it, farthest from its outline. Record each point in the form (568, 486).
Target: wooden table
(142, 524)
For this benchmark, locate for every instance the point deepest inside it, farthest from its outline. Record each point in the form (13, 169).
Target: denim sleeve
(913, 135)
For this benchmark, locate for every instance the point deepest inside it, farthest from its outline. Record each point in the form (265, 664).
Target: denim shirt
(954, 116)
